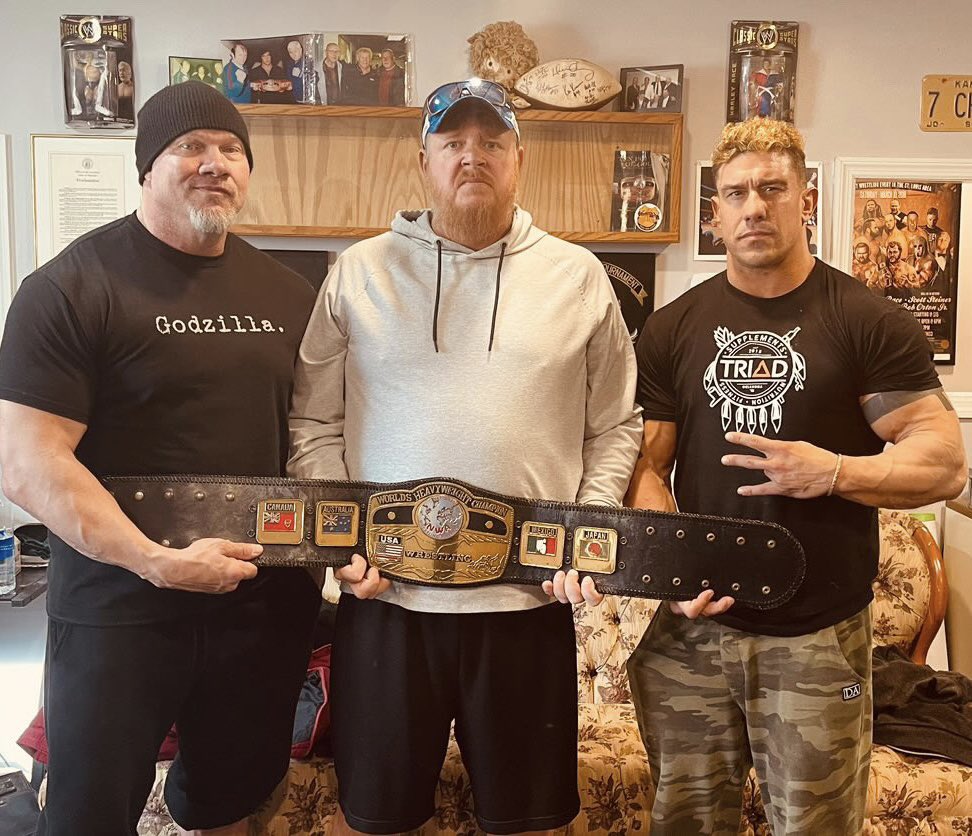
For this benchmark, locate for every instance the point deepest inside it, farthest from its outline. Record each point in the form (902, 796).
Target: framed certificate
(80, 183)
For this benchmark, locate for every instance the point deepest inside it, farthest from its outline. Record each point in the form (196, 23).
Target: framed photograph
(632, 276)
(271, 70)
(207, 70)
(80, 183)
(639, 191)
(900, 232)
(708, 241)
(367, 69)
(96, 60)
(762, 70)
(329, 68)
(651, 89)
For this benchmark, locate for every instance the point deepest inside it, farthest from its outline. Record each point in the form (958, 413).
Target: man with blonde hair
(775, 385)
(360, 82)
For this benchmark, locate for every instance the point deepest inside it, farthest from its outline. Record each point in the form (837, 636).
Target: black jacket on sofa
(920, 710)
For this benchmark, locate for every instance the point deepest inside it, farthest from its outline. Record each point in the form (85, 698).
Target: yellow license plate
(946, 103)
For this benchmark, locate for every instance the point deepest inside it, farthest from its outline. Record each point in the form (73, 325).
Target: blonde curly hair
(760, 135)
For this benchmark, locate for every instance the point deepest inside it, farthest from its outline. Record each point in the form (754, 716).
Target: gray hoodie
(509, 368)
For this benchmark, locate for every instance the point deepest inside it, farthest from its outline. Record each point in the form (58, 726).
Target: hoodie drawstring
(438, 291)
(438, 294)
(492, 324)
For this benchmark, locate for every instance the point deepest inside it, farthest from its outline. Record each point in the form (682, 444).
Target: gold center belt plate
(439, 533)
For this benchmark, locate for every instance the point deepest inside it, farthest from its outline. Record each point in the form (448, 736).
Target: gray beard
(212, 220)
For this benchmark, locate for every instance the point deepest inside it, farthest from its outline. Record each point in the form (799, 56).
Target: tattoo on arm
(886, 402)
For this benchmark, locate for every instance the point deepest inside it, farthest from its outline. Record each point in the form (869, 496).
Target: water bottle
(8, 568)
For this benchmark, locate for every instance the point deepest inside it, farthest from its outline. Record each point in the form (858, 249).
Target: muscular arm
(649, 486)
(925, 463)
(44, 477)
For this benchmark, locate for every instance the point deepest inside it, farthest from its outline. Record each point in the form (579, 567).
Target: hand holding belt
(442, 532)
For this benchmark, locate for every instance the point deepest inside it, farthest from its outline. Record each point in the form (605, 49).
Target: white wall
(858, 77)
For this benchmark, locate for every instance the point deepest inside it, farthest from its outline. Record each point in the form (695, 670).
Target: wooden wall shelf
(343, 172)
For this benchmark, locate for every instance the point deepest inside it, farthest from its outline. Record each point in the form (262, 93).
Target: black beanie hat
(178, 109)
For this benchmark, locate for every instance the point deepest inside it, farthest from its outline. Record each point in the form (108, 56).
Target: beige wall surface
(858, 77)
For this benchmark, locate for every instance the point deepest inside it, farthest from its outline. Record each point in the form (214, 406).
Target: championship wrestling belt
(442, 532)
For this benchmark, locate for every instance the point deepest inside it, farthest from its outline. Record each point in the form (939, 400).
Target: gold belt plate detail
(439, 532)
(542, 544)
(280, 521)
(595, 549)
(337, 523)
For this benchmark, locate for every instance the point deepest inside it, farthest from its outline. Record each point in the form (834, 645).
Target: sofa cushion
(606, 635)
(902, 588)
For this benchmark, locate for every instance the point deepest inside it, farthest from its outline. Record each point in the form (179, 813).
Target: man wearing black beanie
(160, 343)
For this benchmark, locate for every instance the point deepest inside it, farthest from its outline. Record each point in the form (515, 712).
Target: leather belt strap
(443, 532)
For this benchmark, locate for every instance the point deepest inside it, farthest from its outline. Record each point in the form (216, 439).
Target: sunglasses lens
(440, 99)
(494, 93)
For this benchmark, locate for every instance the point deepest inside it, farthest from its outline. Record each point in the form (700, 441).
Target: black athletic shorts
(229, 679)
(509, 679)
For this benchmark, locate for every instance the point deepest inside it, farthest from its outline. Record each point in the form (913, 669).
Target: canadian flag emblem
(279, 520)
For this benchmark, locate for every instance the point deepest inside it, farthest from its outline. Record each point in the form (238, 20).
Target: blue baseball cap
(443, 99)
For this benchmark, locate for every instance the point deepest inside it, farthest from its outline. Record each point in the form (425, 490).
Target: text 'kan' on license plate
(946, 103)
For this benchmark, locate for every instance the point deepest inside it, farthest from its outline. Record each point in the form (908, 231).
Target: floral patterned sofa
(906, 795)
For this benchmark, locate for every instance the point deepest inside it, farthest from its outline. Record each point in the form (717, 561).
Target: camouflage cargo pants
(712, 701)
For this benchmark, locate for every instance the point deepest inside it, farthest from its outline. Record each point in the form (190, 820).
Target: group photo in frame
(271, 70)
(655, 89)
(708, 241)
(207, 70)
(369, 69)
(900, 233)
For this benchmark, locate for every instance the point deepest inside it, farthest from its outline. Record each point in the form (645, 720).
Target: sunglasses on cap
(444, 98)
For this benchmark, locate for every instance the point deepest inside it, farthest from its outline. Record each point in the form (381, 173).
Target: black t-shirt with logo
(175, 364)
(791, 368)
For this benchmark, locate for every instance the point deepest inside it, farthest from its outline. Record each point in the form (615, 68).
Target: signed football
(568, 84)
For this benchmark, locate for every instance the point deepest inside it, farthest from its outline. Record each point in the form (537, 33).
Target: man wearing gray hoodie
(463, 343)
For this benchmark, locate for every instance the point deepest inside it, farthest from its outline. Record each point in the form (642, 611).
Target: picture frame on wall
(654, 89)
(207, 70)
(708, 242)
(80, 182)
(901, 225)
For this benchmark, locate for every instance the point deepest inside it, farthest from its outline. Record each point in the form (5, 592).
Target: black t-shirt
(175, 364)
(791, 368)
